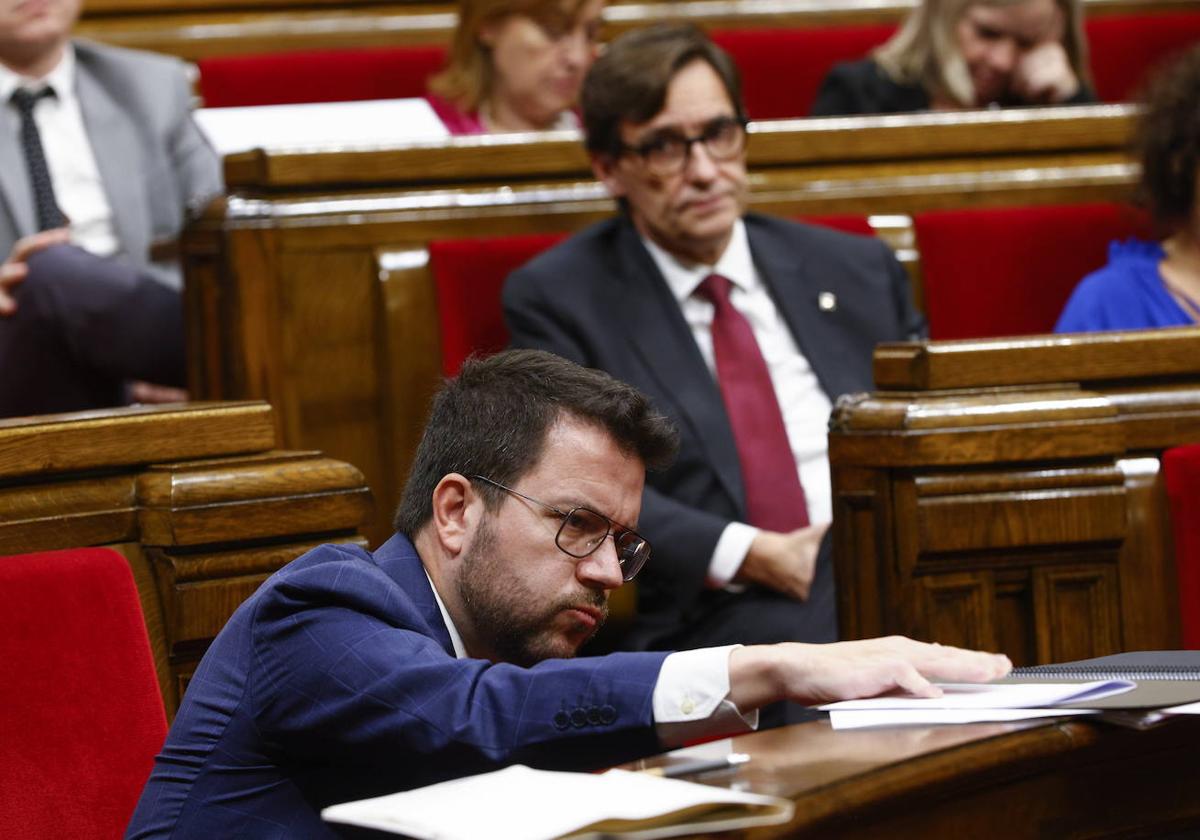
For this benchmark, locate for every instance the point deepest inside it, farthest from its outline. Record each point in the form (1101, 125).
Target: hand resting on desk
(810, 674)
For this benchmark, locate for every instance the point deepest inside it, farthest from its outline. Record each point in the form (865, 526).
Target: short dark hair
(630, 78)
(492, 420)
(1167, 141)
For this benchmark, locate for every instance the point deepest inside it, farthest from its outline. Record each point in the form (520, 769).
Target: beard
(513, 621)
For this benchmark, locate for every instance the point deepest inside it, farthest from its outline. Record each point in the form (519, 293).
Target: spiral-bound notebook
(1163, 677)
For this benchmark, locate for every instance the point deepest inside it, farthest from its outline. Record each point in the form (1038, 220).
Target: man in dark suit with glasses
(741, 327)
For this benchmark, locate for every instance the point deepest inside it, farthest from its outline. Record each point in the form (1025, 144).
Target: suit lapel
(796, 283)
(115, 142)
(664, 342)
(399, 560)
(14, 176)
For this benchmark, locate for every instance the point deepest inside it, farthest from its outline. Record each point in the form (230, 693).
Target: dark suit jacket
(336, 680)
(599, 300)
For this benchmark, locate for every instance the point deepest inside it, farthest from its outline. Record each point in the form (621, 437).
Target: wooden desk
(196, 497)
(1071, 779)
(309, 286)
(1006, 493)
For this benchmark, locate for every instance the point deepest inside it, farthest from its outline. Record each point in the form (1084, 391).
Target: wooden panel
(1076, 612)
(1145, 579)
(956, 609)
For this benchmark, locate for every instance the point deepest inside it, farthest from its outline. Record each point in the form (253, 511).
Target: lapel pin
(827, 301)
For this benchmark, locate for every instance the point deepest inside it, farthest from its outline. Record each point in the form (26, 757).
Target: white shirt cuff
(727, 557)
(691, 698)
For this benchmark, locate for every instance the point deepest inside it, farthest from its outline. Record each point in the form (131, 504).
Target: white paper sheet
(519, 803)
(862, 719)
(342, 125)
(995, 696)
(1185, 709)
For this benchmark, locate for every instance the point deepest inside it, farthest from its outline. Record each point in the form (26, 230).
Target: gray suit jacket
(599, 300)
(154, 163)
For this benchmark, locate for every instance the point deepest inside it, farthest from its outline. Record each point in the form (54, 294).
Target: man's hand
(1043, 75)
(811, 674)
(784, 562)
(14, 269)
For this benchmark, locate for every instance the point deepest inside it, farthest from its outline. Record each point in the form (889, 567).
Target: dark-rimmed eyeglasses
(666, 152)
(583, 530)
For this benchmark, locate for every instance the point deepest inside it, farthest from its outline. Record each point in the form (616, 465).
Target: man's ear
(455, 510)
(604, 167)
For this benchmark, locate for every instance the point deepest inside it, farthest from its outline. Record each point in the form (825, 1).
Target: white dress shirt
(691, 698)
(804, 405)
(69, 156)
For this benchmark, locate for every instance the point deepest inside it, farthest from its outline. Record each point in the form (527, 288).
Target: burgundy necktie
(774, 496)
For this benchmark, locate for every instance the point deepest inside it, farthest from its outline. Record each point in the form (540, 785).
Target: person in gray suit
(100, 164)
(640, 297)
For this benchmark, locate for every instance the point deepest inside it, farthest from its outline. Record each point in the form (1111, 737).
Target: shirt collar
(460, 651)
(683, 278)
(61, 78)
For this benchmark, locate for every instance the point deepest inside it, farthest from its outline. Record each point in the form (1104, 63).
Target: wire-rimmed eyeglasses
(583, 530)
(666, 152)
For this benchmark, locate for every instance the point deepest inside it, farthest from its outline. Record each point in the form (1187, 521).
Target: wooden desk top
(1070, 778)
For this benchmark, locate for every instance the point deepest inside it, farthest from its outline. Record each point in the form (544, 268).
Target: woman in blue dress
(1151, 284)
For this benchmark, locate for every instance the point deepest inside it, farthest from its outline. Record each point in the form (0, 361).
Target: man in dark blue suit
(632, 296)
(448, 651)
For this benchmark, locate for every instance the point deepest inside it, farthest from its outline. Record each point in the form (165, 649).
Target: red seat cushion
(844, 222)
(1181, 472)
(468, 275)
(1009, 271)
(82, 717)
(318, 76)
(782, 69)
(1125, 49)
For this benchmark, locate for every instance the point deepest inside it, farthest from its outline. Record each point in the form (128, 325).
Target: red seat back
(1009, 271)
(782, 69)
(81, 716)
(1125, 49)
(468, 275)
(1181, 471)
(318, 76)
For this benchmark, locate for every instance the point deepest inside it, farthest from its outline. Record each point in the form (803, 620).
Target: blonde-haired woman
(955, 54)
(516, 65)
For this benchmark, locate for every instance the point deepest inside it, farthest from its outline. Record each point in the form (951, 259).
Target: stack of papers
(519, 803)
(975, 703)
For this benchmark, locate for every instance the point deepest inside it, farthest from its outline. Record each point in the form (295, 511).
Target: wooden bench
(1007, 494)
(196, 497)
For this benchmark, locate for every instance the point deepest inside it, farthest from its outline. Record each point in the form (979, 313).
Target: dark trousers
(85, 325)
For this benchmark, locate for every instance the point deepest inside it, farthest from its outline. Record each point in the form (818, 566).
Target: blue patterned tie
(48, 214)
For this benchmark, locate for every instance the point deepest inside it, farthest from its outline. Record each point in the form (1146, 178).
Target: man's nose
(1002, 56)
(701, 167)
(601, 569)
(577, 48)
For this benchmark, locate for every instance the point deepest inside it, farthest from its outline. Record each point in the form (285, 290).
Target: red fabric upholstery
(468, 275)
(1126, 48)
(81, 717)
(1009, 271)
(1181, 471)
(318, 76)
(782, 69)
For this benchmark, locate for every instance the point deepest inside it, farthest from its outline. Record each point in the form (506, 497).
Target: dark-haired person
(100, 163)
(955, 54)
(516, 65)
(448, 651)
(741, 327)
(1154, 284)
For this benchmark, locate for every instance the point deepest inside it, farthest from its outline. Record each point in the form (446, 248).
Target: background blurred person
(516, 65)
(1151, 284)
(953, 54)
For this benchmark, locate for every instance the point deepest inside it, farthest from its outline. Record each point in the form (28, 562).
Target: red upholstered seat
(81, 717)
(1126, 48)
(1181, 470)
(468, 275)
(1009, 271)
(318, 76)
(782, 69)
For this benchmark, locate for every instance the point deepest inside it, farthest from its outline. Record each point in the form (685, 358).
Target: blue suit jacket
(337, 680)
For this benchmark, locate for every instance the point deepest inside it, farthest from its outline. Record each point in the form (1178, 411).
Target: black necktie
(48, 214)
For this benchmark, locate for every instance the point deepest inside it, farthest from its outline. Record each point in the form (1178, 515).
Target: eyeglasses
(667, 151)
(583, 530)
